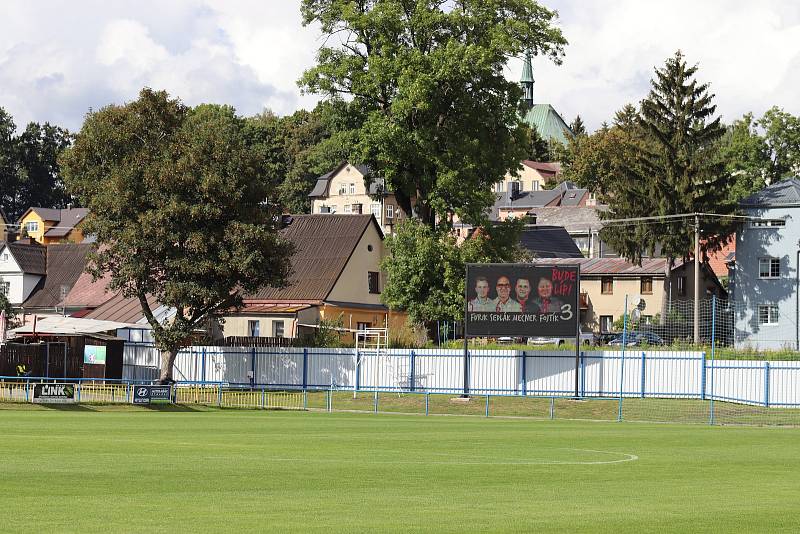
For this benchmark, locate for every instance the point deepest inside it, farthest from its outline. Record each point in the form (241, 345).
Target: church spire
(526, 82)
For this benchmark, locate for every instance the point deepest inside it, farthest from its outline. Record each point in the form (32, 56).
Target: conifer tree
(577, 126)
(671, 167)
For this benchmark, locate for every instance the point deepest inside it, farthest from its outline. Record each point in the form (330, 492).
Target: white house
(22, 267)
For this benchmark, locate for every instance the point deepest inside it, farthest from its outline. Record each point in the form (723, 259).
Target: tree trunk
(167, 364)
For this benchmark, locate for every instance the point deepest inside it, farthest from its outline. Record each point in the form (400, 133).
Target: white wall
(652, 374)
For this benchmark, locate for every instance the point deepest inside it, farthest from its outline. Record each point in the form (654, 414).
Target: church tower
(526, 81)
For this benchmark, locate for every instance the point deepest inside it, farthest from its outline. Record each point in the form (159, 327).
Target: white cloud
(58, 59)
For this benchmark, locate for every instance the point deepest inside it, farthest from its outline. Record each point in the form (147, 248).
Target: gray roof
(574, 219)
(376, 185)
(65, 263)
(31, 258)
(783, 193)
(549, 242)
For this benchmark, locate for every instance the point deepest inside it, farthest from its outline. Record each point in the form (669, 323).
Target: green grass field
(128, 469)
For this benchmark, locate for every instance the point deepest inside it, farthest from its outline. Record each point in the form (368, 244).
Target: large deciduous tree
(425, 266)
(439, 120)
(782, 135)
(29, 170)
(179, 208)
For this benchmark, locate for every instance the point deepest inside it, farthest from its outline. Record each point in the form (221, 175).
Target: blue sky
(60, 58)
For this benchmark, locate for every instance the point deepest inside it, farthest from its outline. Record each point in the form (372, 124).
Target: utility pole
(696, 279)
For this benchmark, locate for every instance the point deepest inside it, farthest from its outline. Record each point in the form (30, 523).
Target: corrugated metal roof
(613, 266)
(89, 293)
(272, 308)
(783, 193)
(548, 122)
(65, 263)
(121, 309)
(31, 257)
(69, 325)
(323, 245)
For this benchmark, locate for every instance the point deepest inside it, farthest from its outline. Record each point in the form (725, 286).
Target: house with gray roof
(37, 278)
(766, 272)
(353, 190)
(48, 226)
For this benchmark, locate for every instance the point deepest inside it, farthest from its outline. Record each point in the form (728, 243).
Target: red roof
(87, 293)
(547, 168)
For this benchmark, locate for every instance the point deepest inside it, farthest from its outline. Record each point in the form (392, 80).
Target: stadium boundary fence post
(427, 402)
(305, 369)
(713, 354)
(552, 407)
(487, 404)
(375, 402)
(524, 374)
(644, 364)
(766, 384)
(622, 359)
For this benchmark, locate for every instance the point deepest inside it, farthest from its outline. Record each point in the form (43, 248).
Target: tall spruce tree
(577, 126)
(671, 167)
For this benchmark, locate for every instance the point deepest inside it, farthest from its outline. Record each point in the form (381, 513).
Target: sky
(61, 58)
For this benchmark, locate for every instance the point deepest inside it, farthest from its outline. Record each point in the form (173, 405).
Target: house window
(348, 208)
(5, 287)
(768, 314)
(769, 267)
(375, 209)
(32, 226)
(363, 326)
(372, 281)
(535, 185)
(4, 257)
(254, 328)
(647, 285)
(390, 211)
(357, 208)
(352, 189)
(277, 328)
(342, 189)
(515, 189)
(606, 322)
(682, 286)
(500, 187)
(324, 209)
(607, 285)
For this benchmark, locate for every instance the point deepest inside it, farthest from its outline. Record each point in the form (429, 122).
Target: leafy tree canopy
(746, 157)
(29, 170)
(298, 148)
(439, 121)
(180, 209)
(782, 135)
(425, 266)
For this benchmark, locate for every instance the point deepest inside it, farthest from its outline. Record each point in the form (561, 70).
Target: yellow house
(336, 277)
(51, 226)
(3, 227)
(606, 282)
(343, 191)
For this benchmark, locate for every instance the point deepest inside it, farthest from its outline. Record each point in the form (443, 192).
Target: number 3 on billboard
(566, 312)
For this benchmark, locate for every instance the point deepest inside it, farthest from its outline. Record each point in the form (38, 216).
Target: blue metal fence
(630, 373)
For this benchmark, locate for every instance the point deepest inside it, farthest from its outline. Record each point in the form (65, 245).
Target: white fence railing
(601, 373)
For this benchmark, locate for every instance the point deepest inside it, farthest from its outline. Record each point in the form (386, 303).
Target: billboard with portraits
(519, 299)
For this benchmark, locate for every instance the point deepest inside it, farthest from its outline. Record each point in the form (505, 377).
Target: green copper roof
(527, 70)
(548, 122)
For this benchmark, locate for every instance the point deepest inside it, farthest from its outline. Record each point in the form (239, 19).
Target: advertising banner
(147, 394)
(519, 299)
(94, 354)
(53, 393)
